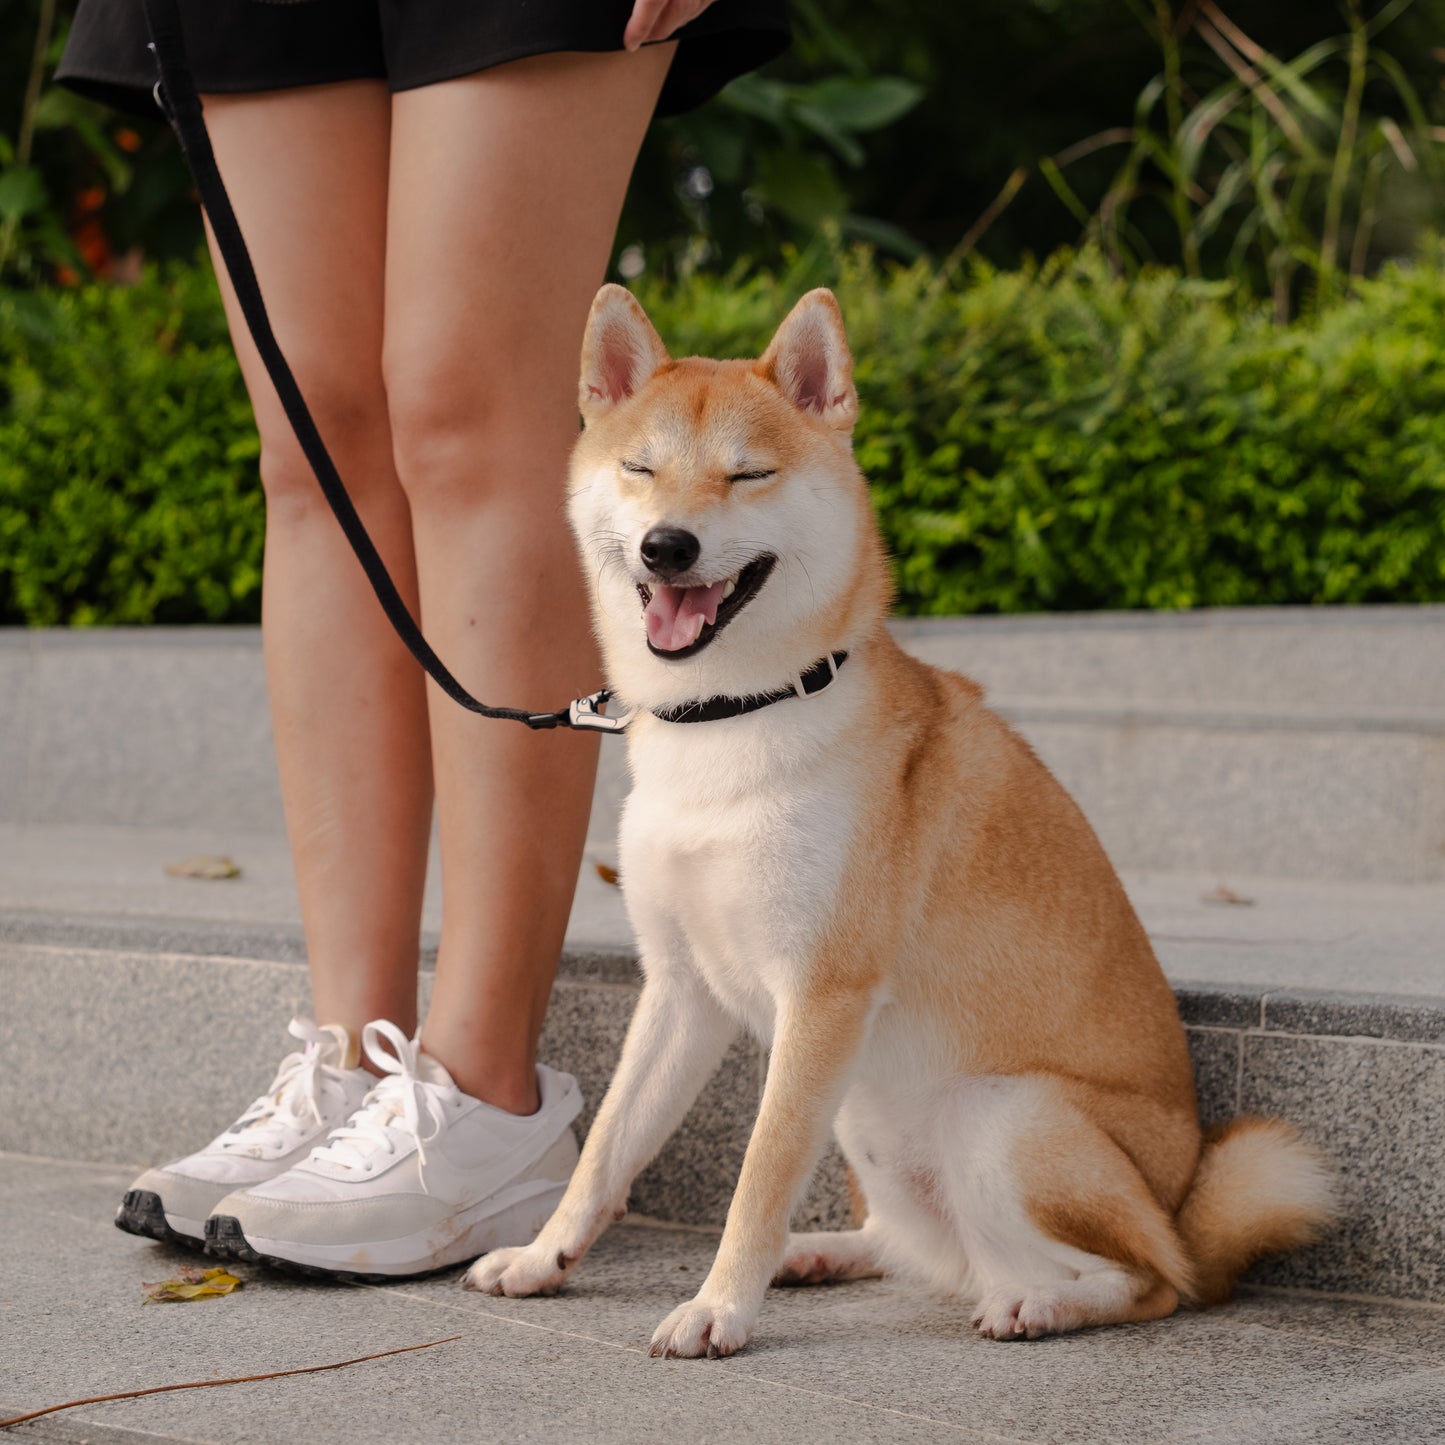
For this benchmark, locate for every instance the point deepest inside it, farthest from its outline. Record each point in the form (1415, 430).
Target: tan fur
(978, 995)
(1260, 1188)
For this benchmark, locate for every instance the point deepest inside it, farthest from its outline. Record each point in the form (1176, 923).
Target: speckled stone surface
(137, 1057)
(16, 687)
(1216, 1055)
(1256, 802)
(692, 1180)
(104, 886)
(1378, 1016)
(1221, 1005)
(1376, 1108)
(1309, 658)
(873, 1361)
(172, 723)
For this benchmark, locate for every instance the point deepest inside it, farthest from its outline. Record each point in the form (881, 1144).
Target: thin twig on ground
(234, 1380)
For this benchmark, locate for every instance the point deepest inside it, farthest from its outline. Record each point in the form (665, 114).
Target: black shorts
(241, 45)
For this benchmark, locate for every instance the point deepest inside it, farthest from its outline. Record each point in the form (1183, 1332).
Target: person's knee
(459, 433)
(351, 418)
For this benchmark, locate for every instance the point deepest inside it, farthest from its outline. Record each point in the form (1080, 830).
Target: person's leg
(505, 192)
(307, 170)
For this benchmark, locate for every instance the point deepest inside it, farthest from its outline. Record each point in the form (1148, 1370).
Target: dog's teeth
(730, 586)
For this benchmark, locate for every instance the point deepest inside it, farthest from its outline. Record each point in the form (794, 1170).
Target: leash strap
(176, 95)
(713, 709)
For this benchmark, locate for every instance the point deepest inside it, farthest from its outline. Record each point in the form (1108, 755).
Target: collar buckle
(814, 675)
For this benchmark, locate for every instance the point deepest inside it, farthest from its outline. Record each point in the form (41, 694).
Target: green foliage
(1050, 438)
(914, 125)
(776, 155)
(1271, 171)
(128, 457)
(1058, 438)
(84, 190)
(1027, 102)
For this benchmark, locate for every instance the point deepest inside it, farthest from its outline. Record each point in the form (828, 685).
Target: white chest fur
(733, 846)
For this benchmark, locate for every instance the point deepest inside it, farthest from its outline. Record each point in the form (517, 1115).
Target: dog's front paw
(699, 1328)
(518, 1271)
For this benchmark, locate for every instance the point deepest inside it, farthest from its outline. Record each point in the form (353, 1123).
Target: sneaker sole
(142, 1213)
(498, 1223)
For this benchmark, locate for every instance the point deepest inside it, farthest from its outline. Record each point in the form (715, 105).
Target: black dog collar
(712, 709)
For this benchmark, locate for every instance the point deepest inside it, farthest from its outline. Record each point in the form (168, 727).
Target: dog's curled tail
(1260, 1187)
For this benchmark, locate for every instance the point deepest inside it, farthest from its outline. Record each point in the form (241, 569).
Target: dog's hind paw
(1024, 1315)
(517, 1272)
(825, 1258)
(698, 1328)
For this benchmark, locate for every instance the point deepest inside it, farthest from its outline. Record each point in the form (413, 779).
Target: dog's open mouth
(681, 621)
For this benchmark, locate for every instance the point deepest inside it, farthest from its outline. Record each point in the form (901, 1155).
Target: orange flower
(90, 241)
(128, 140)
(92, 198)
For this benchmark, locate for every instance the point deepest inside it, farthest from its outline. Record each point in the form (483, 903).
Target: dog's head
(724, 525)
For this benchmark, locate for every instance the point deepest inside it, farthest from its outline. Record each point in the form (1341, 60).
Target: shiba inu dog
(845, 851)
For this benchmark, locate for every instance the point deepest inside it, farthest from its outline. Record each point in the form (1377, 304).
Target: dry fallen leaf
(1223, 893)
(608, 874)
(192, 1282)
(207, 865)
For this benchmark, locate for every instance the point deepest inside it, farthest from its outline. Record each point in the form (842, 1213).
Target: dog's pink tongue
(675, 615)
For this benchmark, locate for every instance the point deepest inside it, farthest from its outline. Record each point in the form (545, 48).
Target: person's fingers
(645, 15)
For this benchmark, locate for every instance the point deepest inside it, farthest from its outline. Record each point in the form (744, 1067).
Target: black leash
(176, 95)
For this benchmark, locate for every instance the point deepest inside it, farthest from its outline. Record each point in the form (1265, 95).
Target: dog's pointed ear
(620, 351)
(809, 362)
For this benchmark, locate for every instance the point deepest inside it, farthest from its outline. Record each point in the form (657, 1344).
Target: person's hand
(657, 19)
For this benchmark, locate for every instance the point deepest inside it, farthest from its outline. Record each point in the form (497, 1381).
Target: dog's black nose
(669, 550)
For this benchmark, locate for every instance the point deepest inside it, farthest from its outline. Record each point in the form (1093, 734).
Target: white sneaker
(423, 1177)
(313, 1091)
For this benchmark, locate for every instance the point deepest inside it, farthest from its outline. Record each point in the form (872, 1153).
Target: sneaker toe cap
(185, 1199)
(358, 1222)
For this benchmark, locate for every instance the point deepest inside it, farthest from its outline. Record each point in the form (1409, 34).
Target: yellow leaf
(192, 1282)
(207, 865)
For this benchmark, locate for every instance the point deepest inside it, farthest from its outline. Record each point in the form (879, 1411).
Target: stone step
(1305, 743)
(140, 1031)
(1348, 661)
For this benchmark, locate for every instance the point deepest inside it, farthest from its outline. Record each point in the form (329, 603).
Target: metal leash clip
(586, 713)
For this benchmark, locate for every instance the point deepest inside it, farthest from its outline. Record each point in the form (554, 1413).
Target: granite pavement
(870, 1361)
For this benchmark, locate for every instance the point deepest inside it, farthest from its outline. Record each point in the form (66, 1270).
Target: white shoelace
(397, 1103)
(294, 1099)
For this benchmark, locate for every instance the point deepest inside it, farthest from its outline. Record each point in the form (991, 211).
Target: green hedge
(128, 456)
(1045, 439)
(1058, 439)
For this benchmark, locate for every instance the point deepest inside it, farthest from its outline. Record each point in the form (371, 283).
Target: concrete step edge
(1260, 1007)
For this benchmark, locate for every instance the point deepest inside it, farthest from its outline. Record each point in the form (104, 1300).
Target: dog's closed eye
(756, 476)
